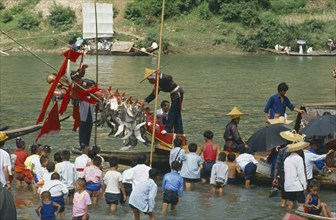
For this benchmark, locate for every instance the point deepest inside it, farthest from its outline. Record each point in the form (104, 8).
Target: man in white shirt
(138, 173)
(247, 164)
(162, 113)
(310, 158)
(5, 163)
(295, 177)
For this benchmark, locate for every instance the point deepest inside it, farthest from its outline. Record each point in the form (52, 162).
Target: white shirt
(173, 154)
(40, 172)
(310, 158)
(66, 170)
(138, 174)
(111, 180)
(295, 178)
(219, 173)
(244, 159)
(55, 187)
(80, 163)
(125, 174)
(47, 176)
(4, 162)
(37, 164)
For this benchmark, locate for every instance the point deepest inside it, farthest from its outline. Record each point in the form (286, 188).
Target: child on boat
(232, 168)
(46, 209)
(191, 168)
(219, 174)
(143, 196)
(313, 203)
(94, 179)
(113, 185)
(81, 201)
(172, 187)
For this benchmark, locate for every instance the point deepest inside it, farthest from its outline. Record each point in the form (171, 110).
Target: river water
(212, 84)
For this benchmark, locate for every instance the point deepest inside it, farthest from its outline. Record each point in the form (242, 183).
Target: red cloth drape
(51, 124)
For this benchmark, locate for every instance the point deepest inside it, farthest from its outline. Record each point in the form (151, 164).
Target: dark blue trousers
(174, 116)
(85, 129)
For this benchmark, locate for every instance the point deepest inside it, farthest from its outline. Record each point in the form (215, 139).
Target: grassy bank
(187, 33)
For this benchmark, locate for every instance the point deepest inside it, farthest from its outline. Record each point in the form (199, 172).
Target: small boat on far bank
(313, 53)
(301, 213)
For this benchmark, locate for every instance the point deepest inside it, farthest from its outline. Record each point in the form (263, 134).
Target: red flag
(69, 54)
(65, 101)
(75, 116)
(52, 124)
(72, 55)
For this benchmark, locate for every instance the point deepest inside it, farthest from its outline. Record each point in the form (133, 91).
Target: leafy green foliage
(61, 18)
(6, 16)
(28, 21)
(204, 11)
(287, 6)
(2, 6)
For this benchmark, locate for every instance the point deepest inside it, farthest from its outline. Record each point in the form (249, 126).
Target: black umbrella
(268, 137)
(321, 126)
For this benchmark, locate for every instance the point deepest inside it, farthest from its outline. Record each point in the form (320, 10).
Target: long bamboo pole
(96, 113)
(157, 83)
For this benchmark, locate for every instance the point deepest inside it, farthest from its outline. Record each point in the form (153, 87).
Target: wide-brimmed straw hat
(235, 113)
(280, 120)
(149, 73)
(297, 146)
(3, 136)
(291, 136)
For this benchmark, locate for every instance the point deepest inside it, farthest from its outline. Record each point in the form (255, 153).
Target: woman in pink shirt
(94, 179)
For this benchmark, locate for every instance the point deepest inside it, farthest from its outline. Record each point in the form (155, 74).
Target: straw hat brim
(297, 146)
(235, 113)
(279, 121)
(291, 136)
(148, 73)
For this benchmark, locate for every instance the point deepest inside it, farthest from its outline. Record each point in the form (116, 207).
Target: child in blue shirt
(46, 209)
(172, 187)
(191, 168)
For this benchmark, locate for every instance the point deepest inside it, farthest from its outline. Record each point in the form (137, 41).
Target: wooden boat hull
(311, 216)
(314, 53)
(117, 53)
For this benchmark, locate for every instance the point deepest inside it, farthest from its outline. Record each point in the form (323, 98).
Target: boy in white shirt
(67, 172)
(57, 190)
(41, 171)
(113, 185)
(82, 161)
(247, 164)
(50, 169)
(219, 174)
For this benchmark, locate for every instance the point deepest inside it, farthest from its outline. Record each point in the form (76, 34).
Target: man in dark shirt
(278, 102)
(231, 134)
(166, 84)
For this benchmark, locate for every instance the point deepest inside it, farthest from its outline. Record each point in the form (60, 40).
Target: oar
(137, 49)
(4, 53)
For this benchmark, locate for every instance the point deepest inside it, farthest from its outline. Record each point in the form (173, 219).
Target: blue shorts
(207, 167)
(232, 181)
(112, 198)
(250, 170)
(296, 196)
(59, 200)
(170, 197)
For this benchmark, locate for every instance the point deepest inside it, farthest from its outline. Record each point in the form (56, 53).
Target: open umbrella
(321, 126)
(268, 137)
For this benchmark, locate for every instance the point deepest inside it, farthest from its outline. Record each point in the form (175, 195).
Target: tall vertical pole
(157, 84)
(96, 113)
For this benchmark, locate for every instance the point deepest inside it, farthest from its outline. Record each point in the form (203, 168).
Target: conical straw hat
(291, 136)
(3, 136)
(280, 120)
(235, 113)
(297, 146)
(148, 73)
